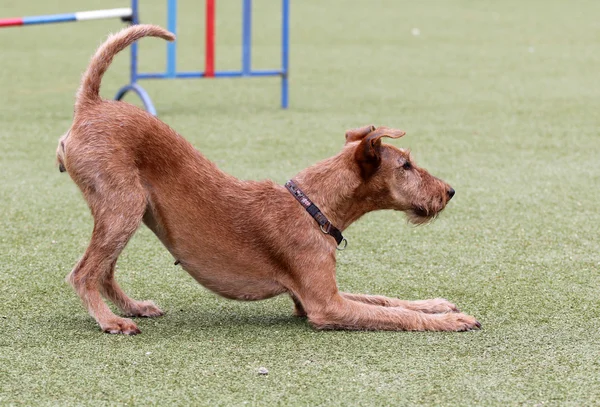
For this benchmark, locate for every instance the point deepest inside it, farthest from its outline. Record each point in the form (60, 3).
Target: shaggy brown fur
(133, 168)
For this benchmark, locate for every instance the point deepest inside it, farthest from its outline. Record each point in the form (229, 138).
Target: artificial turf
(500, 99)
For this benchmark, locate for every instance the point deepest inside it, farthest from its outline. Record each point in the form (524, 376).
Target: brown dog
(244, 240)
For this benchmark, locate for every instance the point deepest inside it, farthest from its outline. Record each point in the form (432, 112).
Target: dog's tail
(89, 90)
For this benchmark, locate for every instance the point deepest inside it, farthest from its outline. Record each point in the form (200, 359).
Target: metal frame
(209, 71)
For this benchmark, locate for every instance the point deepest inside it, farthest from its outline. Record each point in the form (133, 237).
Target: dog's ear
(358, 133)
(368, 152)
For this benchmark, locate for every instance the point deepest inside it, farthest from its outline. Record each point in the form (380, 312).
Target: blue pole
(49, 19)
(247, 37)
(172, 46)
(135, 19)
(133, 86)
(285, 56)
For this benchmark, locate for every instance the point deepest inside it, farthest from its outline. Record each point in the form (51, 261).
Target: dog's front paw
(459, 322)
(144, 309)
(433, 306)
(441, 306)
(123, 326)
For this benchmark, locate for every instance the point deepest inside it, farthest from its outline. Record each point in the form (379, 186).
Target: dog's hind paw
(120, 326)
(144, 309)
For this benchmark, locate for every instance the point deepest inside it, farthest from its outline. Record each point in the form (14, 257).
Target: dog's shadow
(184, 321)
(214, 319)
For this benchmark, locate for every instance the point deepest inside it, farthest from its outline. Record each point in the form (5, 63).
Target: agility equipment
(131, 15)
(124, 13)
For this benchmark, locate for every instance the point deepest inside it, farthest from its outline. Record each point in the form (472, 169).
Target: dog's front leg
(327, 308)
(433, 306)
(299, 310)
(341, 313)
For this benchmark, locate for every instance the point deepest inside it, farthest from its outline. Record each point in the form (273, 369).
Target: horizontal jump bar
(68, 17)
(217, 74)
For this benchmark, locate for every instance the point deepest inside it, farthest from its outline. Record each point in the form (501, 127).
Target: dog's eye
(407, 165)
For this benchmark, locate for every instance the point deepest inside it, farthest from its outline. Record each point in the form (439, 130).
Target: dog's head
(392, 180)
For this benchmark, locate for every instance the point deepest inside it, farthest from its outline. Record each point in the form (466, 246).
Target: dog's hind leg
(130, 307)
(117, 207)
(433, 306)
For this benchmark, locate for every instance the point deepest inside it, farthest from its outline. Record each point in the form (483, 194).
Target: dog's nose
(451, 193)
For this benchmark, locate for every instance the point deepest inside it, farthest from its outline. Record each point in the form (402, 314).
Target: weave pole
(210, 71)
(247, 37)
(285, 51)
(124, 13)
(209, 43)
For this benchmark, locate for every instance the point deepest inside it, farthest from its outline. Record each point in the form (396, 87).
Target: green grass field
(501, 99)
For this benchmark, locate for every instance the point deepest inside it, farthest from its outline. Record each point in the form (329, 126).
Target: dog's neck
(333, 185)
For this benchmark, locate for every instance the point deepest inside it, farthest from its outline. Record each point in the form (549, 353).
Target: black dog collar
(315, 212)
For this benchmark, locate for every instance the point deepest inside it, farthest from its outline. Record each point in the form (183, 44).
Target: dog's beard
(421, 216)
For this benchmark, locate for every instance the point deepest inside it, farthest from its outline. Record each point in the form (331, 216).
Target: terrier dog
(244, 240)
